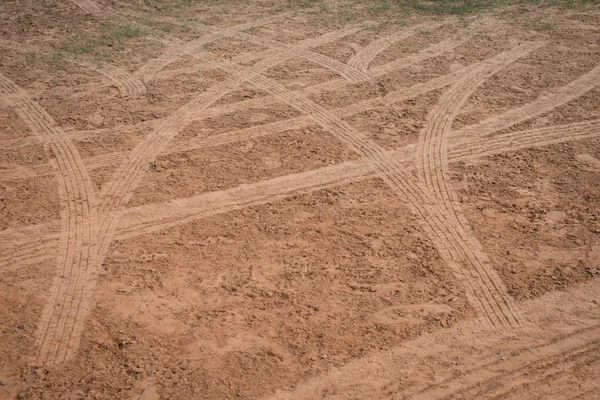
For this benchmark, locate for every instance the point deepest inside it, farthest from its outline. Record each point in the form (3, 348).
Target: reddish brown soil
(230, 201)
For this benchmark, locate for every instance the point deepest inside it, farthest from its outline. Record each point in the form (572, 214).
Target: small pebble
(502, 358)
(2, 382)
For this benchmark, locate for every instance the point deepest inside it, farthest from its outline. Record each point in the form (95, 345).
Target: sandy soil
(231, 201)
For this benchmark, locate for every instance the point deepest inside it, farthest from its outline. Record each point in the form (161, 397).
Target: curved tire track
(155, 217)
(447, 235)
(95, 9)
(362, 59)
(347, 72)
(513, 141)
(401, 95)
(433, 169)
(544, 103)
(127, 84)
(449, 367)
(67, 305)
(559, 352)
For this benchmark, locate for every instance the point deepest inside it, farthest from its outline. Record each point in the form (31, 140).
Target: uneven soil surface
(226, 200)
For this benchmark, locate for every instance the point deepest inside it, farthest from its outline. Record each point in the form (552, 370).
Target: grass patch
(111, 39)
(125, 31)
(394, 11)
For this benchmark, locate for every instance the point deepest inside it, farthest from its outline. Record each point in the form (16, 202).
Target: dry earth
(234, 200)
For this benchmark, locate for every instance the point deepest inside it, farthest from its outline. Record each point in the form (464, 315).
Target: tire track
(554, 373)
(135, 221)
(363, 58)
(431, 51)
(391, 374)
(121, 187)
(178, 48)
(347, 72)
(127, 84)
(142, 220)
(147, 219)
(96, 9)
(306, 44)
(433, 169)
(118, 190)
(29, 253)
(49, 169)
(129, 175)
(149, 71)
(447, 235)
(543, 104)
(336, 84)
(18, 143)
(316, 89)
(243, 71)
(462, 148)
(303, 121)
(503, 373)
(483, 147)
(78, 224)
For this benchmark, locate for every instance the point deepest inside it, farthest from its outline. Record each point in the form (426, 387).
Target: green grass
(540, 25)
(122, 31)
(467, 7)
(304, 3)
(99, 46)
(394, 11)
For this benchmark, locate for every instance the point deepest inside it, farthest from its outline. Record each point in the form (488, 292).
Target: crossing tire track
(147, 72)
(48, 169)
(401, 95)
(140, 220)
(67, 304)
(481, 147)
(82, 219)
(347, 72)
(241, 135)
(306, 44)
(177, 49)
(95, 9)
(431, 51)
(433, 170)
(460, 151)
(127, 84)
(553, 373)
(28, 253)
(446, 234)
(115, 195)
(543, 104)
(135, 221)
(503, 374)
(363, 58)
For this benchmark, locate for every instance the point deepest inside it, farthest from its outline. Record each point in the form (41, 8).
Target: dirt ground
(298, 200)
